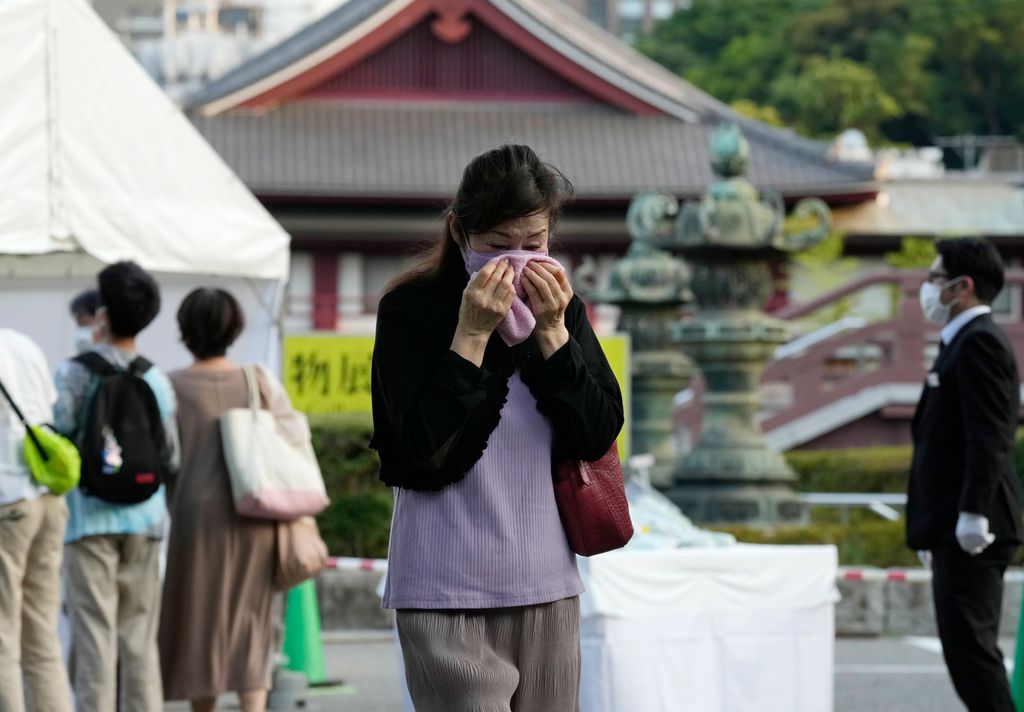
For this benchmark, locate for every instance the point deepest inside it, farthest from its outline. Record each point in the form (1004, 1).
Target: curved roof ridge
(291, 49)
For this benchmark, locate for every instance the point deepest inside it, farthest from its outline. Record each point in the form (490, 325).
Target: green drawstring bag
(52, 459)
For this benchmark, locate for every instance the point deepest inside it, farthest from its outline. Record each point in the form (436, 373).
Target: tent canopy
(95, 159)
(98, 165)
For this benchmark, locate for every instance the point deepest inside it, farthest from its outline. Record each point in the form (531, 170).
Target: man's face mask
(83, 338)
(930, 297)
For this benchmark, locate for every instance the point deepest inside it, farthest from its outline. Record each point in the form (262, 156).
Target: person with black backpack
(120, 410)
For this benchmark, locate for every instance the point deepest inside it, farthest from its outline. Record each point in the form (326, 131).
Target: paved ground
(871, 675)
(895, 675)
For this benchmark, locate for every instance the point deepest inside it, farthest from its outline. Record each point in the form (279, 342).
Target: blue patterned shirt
(91, 516)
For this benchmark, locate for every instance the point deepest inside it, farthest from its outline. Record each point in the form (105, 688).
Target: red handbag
(591, 499)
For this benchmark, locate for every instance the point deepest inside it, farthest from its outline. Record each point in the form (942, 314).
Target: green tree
(980, 87)
(914, 253)
(901, 70)
(732, 50)
(766, 114)
(900, 61)
(848, 27)
(831, 95)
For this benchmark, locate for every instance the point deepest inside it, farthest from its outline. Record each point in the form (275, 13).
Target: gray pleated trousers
(523, 659)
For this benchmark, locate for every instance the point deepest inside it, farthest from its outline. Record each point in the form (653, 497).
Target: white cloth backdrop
(742, 629)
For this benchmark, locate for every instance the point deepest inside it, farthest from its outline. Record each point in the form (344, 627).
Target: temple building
(354, 132)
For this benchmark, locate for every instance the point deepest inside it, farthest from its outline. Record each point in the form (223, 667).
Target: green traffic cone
(302, 645)
(1017, 680)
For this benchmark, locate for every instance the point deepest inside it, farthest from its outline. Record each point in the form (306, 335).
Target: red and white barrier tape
(350, 563)
(903, 575)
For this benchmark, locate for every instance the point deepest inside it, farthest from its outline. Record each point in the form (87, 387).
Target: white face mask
(83, 338)
(931, 302)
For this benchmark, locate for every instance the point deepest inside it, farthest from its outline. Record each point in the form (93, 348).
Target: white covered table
(738, 629)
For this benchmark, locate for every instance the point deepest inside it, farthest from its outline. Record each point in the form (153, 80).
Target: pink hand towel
(519, 323)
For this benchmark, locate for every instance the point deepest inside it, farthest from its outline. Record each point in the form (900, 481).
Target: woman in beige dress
(216, 626)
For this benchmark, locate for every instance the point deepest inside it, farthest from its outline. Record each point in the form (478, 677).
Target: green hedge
(861, 543)
(358, 520)
(869, 469)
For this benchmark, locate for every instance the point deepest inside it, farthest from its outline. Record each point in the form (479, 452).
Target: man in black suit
(963, 507)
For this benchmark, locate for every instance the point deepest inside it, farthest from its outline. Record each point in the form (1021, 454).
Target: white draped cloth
(736, 629)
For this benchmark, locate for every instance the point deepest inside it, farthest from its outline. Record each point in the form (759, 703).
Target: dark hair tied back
(502, 184)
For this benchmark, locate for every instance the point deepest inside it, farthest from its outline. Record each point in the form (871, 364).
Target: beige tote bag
(271, 478)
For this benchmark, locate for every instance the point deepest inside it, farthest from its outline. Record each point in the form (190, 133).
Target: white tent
(98, 165)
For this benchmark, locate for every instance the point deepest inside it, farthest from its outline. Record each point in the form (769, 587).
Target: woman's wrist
(470, 346)
(550, 340)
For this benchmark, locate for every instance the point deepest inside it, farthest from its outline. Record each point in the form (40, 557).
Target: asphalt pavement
(871, 675)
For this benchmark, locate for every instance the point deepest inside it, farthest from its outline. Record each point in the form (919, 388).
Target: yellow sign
(616, 350)
(331, 373)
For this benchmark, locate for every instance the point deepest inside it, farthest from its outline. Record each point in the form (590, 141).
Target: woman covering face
(486, 375)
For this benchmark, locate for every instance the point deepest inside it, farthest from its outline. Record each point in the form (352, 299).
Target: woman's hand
(549, 294)
(485, 302)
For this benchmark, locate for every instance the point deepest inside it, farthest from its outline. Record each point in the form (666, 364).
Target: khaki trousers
(31, 547)
(113, 595)
(524, 659)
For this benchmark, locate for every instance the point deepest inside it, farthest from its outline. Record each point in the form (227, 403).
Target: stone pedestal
(731, 476)
(650, 287)
(657, 377)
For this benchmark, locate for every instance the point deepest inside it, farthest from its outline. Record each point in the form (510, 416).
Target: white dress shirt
(950, 330)
(26, 377)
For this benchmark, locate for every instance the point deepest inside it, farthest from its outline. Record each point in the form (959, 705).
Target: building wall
(333, 289)
(873, 430)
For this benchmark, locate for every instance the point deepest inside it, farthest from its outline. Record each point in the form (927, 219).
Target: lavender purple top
(493, 539)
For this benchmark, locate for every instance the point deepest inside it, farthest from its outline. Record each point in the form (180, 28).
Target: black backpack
(124, 448)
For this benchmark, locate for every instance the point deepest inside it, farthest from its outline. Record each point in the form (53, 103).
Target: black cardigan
(433, 410)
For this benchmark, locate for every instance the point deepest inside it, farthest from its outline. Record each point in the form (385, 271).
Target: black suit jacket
(963, 433)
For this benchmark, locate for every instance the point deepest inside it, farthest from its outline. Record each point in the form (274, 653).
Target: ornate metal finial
(732, 214)
(647, 219)
(810, 223)
(730, 151)
(646, 274)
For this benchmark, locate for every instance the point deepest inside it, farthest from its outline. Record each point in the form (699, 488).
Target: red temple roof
(389, 98)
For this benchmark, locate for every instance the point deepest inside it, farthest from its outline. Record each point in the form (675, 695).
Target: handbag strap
(21, 417)
(253, 385)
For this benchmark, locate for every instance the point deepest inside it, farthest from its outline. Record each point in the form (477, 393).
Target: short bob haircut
(210, 320)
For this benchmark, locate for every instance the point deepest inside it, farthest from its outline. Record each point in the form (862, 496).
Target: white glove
(926, 558)
(972, 533)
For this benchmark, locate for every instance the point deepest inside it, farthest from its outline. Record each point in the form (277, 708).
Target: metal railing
(881, 503)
